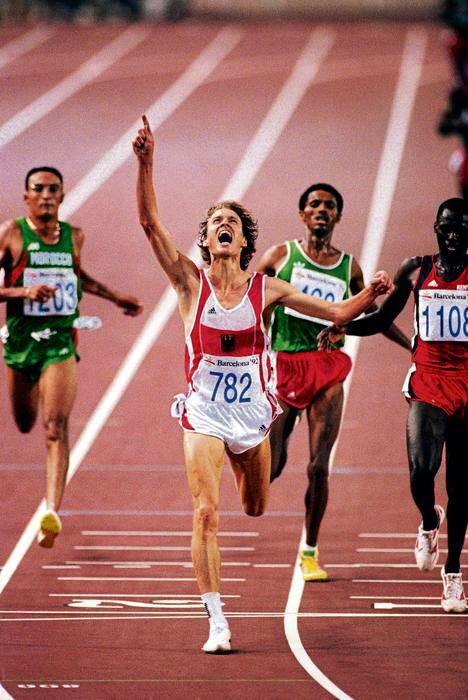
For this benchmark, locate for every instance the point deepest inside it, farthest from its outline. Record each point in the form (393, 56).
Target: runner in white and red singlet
(229, 410)
(436, 388)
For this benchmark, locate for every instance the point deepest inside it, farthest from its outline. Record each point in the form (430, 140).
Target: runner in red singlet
(436, 388)
(228, 409)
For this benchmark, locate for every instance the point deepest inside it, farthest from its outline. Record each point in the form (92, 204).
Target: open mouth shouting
(224, 236)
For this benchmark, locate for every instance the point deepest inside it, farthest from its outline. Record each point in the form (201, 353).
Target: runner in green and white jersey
(40, 256)
(306, 378)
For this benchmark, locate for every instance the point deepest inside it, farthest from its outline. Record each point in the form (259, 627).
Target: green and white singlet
(41, 333)
(292, 331)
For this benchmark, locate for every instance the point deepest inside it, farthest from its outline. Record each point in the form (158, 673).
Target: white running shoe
(426, 549)
(219, 640)
(453, 597)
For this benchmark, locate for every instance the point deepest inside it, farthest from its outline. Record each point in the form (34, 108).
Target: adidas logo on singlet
(34, 246)
(212, 310)
(432, 283)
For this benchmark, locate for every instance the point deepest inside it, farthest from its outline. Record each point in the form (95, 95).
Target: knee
(318, 470)
(255, 509)
(206, 519)
(25, 423)
(56, 429)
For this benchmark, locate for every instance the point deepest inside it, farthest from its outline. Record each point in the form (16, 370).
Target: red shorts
(300, 376)
(446, 390)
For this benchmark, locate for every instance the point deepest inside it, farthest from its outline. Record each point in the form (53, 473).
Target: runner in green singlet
(306, 378)
(40, 256)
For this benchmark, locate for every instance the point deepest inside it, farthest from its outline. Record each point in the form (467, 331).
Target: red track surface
(132, 478)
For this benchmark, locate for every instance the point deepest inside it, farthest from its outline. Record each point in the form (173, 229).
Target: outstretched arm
(131, 305)
(180, 269)
(392, 332)
(382, 319)
(284, 294)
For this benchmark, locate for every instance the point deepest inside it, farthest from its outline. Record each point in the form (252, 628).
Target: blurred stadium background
(172, 10)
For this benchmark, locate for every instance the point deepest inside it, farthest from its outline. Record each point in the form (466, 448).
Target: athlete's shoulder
(410, 265)
(9, 231)
(272, 258)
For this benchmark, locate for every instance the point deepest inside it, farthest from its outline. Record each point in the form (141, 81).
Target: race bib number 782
(443, 315)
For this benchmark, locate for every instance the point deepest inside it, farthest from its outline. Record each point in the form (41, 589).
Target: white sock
(308, 550)
(213, 606)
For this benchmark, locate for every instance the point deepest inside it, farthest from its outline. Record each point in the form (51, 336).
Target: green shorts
(32, 355)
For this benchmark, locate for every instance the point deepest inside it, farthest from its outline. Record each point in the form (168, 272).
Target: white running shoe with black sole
(426, 549)
(453, 597)
(219, 640)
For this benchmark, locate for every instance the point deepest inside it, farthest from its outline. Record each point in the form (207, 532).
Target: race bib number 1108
(443, 315)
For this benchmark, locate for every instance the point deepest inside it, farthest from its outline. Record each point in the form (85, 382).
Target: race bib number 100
(316, 284)
(443, 315)
(65, 300)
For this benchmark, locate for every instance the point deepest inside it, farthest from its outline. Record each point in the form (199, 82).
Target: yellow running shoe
(49, 528)
(311, 570)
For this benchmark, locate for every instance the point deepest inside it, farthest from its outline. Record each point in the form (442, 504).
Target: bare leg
(323, 416)
(425, 436)
(280, 433)
(457, 490)
(24, 399)
(252, 473)
(204, 457)
(57, 388)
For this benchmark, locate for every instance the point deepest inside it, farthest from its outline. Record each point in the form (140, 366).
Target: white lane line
(394, 597)
(394, 606)
(149, 548)
(159, 533)
(195, 596)
(391, 550)
(24, 43)
(395, 580)
(59, 566)
(377, 566)
(254, 615)
(73, 83)
(272, 566)
(382, 197)
(394, 535)
(135, 578)
(187, 564)
(162, 108)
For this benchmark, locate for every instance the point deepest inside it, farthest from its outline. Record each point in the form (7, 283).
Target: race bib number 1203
(65, 300)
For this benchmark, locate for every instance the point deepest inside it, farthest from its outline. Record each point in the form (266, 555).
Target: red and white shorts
(446, 390)
(300, 376)
(239, 427)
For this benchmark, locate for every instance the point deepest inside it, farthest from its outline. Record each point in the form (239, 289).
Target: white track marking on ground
(149, 548)
(134, 578)
(394, 535)
(24, 43)
(390, 550)
(151, 563)
(394, 606)
(380, 565)
(196, 596)
(384, 188)
(159, 533)
(202, 615)
(394, 597)
(162, 108)
(395, 580)
(73, 83)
